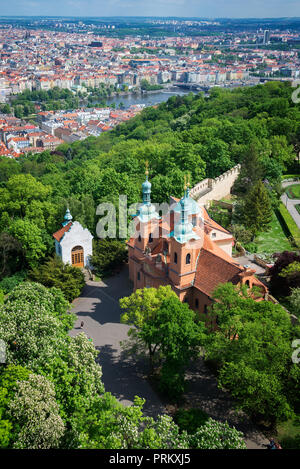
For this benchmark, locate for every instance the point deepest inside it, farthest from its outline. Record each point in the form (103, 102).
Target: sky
(186, 8)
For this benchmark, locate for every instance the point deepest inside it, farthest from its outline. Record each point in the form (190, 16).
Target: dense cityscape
(149, 235)
(70, 56)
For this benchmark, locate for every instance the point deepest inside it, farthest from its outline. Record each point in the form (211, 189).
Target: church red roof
(59, 234)
(212, 270)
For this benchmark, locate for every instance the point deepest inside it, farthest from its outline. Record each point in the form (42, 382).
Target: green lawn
(293, 191)
(289, 434)
(273, 240)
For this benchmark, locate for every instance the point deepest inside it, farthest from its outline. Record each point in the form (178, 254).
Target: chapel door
(77, 256)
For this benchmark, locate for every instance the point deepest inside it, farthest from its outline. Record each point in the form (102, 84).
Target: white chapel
(73, 243)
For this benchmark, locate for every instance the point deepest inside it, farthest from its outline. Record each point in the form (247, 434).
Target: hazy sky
(198, 8)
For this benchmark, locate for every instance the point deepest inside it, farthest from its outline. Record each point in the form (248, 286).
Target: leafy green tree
(35, 411)
(108, 255)
(31, 239)
(168, 330)
(33, 322)
(217, 435)
(20, 190)
(282, 284)
(250, 173)
(294, 300)
(11, 254)
(257, 210)
(9, 377)
(8, 168)
(252, 351)
(143, 304)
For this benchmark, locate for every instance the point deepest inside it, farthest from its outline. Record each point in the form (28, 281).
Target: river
(149, 99)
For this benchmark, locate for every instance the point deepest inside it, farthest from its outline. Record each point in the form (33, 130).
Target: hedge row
(293, 177)
(289, 223)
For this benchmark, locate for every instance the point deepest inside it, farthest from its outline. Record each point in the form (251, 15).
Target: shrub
(9, 283)
(190, 420)
(290, 224)
(108, 255)
(54, 273)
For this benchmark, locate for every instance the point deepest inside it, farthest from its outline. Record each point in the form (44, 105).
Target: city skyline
(158, 8)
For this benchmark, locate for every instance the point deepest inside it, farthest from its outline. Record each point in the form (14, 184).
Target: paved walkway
(290, 203)
(98, 307)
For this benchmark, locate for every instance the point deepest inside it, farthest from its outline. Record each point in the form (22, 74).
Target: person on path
(81, 325)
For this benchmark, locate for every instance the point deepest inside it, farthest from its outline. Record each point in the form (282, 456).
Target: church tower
(185, 242)
(147, 228)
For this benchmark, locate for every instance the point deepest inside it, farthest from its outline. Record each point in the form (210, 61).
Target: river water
(149, 99)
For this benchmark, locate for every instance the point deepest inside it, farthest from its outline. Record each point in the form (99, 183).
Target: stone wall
(215, 189)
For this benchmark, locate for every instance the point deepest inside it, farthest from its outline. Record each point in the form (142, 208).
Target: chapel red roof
(59, 234)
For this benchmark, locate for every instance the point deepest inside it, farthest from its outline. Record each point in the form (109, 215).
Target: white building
(73, 243)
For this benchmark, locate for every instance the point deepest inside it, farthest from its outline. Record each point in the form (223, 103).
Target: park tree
(8, 168)
(256, 209)
(167, 329)
(217, 435)
(11, 254)
(9, 377)
(142, 305)
(120, 427)
(250, 173)
(20, 190)
(35, 412)
(252, 351)
(285, 273)
(33, 322)
(31, 239)
(108, 255)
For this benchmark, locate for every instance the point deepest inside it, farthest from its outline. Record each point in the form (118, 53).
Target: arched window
(77, 256)
(247, 283)
(197, 303)
(188, 259)
(175, 257)
(150, 238)
(138, 276)
(140, 238)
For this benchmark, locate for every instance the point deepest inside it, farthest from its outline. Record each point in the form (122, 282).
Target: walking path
(98, 308)
(290, 203)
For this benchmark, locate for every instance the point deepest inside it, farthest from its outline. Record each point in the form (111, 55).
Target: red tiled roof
(212, 270)
(59, 234)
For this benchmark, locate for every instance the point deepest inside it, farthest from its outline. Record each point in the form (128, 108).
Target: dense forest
(204, 136)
